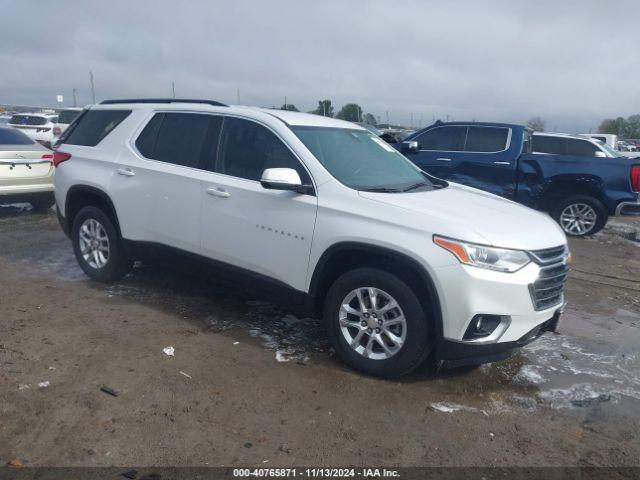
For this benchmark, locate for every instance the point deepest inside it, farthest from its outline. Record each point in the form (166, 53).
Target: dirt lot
(251, 384)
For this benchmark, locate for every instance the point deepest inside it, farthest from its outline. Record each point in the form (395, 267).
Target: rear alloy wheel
(580, 215)
(376, 324)
(578, 219)
(98, 246)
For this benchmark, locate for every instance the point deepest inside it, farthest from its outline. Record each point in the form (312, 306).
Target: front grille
(547, 290)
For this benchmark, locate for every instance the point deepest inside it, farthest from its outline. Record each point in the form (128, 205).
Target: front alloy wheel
(372, 323)
(376, 322)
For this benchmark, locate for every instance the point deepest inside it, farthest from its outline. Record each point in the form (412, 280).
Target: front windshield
(362, 161)
(610, 151)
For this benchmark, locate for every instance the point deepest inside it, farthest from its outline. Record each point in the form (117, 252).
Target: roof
(309, 119)
(288, 117)
(562, 135)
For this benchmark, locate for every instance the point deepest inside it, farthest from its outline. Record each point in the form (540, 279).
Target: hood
(500, 222)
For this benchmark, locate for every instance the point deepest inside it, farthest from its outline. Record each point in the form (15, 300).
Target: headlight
(499, 259)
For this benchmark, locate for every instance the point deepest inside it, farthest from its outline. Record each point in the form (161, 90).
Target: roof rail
(162, 100)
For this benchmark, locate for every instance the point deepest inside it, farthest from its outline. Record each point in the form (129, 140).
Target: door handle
(127, 172)
(218, 192)
(502, 163)
(443, 159)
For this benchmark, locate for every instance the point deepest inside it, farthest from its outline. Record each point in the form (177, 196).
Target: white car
(400, 264)
(37, 126)
(65, 117)
(26, 170)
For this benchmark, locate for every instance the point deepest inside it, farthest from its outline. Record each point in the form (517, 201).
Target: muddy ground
(251, 384)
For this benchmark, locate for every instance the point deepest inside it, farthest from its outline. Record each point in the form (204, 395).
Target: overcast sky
(571, 62)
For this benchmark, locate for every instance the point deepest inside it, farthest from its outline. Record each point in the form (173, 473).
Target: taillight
(57, 130)
(59, 157)
(635, 178)
(47, 155)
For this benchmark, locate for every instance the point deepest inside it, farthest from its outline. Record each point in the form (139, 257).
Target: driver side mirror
(284, 179)
(600, 154)
(410, 147)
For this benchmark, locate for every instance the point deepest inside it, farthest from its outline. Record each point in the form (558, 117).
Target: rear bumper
(629, 208)
(457, 353)
(23, 197)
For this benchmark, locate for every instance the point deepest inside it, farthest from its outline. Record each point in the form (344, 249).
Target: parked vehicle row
(579, 181)
(400, 264)
(44, 128)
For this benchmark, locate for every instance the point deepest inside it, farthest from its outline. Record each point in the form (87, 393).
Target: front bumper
(456, 354)
(629, 208)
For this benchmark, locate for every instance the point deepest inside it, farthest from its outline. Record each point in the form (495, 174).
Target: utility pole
(75, 103)
(173, 88)
(93, 88)
(388, 124)
(238, 92)
(412, 120)
(324, 108)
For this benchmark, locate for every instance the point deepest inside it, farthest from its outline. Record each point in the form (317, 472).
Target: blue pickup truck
(579, 181)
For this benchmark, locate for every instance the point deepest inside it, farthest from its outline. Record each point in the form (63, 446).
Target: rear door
(439, 150)
(157, 186)
(487, 162)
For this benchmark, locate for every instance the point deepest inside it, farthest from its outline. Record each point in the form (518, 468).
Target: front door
(245, 225)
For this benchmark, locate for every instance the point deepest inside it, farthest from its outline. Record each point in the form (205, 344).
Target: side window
(450, 139)
(186, 139)
(94, 125)
(247, 149)
(550, 145)
(581, 148)
(486, 139)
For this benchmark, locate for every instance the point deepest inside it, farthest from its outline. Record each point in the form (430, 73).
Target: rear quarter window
(93, 126)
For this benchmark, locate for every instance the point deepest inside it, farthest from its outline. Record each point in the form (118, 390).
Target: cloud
(571, 63)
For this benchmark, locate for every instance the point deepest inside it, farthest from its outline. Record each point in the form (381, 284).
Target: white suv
(399, 264)
(37, 126)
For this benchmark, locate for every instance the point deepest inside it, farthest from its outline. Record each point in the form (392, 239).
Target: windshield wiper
(380, 190)
(416, 185)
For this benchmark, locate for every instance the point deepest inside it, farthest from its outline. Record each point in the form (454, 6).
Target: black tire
(117, 263)
(42, 203)
(600, 210)
(417, 344)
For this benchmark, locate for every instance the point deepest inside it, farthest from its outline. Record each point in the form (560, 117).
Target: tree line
(623, 127)
(351, 112)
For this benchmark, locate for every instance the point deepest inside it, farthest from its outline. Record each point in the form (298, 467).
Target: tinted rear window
(187, 139)
(486, 139)
(10, 136)
(28, 120)
(550, 145)
(67, 116)
(94, 125)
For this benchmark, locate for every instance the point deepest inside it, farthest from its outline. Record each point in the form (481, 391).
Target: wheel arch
(344, 256)
(79, 196)
(560, 188)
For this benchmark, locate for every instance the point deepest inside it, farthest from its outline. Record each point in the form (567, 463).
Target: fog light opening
(485, 327)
